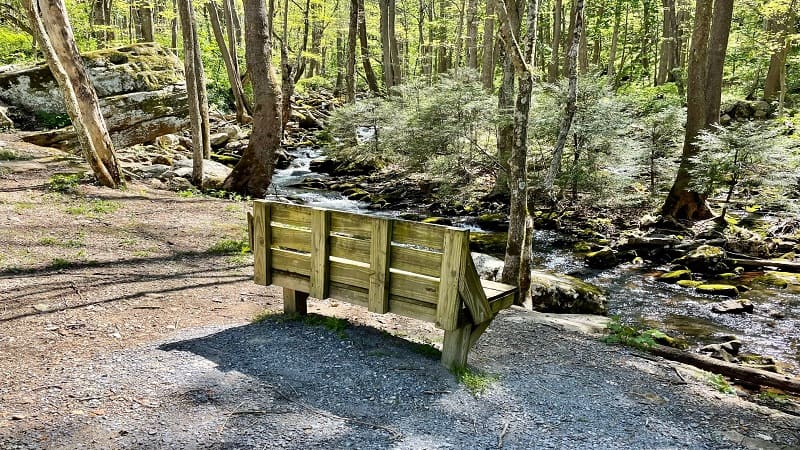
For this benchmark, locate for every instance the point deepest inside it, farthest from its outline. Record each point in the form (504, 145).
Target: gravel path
(285, 384)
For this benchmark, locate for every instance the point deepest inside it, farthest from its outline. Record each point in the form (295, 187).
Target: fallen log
(780, 264)
(746, 374)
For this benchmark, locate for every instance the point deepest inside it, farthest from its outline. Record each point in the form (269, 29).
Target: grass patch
(93, 208)
(22, 206)
(719, 383)
(230, 247)
(426, 350)
(189, 193)
(334, 324)
(59, 263)
(64, 183)
(7, 154)
(51, 241)
(474, 381)
(241, 259)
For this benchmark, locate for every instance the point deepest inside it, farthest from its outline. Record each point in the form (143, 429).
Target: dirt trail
(126, 322)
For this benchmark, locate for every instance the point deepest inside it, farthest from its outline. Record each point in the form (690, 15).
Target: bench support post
(456, 347)
(294, 302)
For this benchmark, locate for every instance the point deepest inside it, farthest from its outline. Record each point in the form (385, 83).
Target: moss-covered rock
(491, 243)
(437, 220)
(602, 259)
(675, 276)
(780, 280)
(705, 259)
(689, 283)
(492, 222)
(725, 290)
(565, 294)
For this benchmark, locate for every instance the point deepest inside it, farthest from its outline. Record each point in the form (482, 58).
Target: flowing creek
(633, 294)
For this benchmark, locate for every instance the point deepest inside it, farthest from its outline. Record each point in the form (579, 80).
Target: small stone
(733, 307)
(675, 276)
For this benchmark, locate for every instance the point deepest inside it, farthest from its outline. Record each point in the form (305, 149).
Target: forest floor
(126, 321)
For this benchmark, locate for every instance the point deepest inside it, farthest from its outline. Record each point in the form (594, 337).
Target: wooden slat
(416, 261)
(295, 302)
(350, 294)
(421, 234)
(423, 289)
(319, 253)
(503, 302)
(291, 238)
(261, 243)
(350, 274)
(471, 292)
(497, 286)
(351, 224)
(380, 251)
(250, 230)
(455, 252)
(289, 280)
(410, 308)
(288, 214)
(292, 262)
(350, 248)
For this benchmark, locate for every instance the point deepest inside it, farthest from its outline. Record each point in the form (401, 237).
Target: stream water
(633, 294)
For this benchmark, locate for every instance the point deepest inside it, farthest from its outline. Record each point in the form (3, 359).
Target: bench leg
(456, 347)
(294, 302)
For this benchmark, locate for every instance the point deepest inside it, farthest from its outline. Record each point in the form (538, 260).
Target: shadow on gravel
(358, 385)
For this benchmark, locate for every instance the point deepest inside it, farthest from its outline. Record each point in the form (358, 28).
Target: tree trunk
(668, 40)
(555, 61)
(174, 27)
(350, 65)
(196, 90)
(680, 202)
(472, 34)
(253, 174)
(517, 267)
(717, 47)
(644, 51)
(369, 74)
(459, 34)
(779, 27)
(101, 18)
(231, 68)
(583, 51)
(489, 58)
(598, 37)
(570, 107)
(395, 49)
(146, 22)
(612, 51)
(52, 29)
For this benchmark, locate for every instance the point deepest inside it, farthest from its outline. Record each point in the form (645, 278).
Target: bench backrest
(414, 269)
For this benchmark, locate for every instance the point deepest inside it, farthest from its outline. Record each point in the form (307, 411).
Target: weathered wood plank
(380, 251)
(421, 234)
(262, 265)
(250, 230)
(350, 274)
(350, 248)
(471, 292)
(416, 261)
(456, 347)
(407, 307)
(449, 303)
(423, 289)
(295, 302)
(350, 294)
(320, 250)
(291, 238)
(356, 225)
(289, 261)
(502, 303)
(291, 280)
(288, 214)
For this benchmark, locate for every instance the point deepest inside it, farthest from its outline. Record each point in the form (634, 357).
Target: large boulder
(705, 259)
(565, 294)
(214, 173)
(141, 89)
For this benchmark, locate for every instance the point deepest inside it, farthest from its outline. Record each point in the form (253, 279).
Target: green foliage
(719, 383)
(64, 183)
(229, 247)
(443, 129)
(619, 333)
(315, 83)
(53, 120)
(748, 155)
(15, 46)
(474, 381)
(59, 263)
(93, 208)
(7, 154)
(648, 100)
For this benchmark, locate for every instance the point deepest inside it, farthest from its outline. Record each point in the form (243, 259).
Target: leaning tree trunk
(231, 68)
(253, 174)
(570, 107)
(196, 90)
(52, 29)
(369, 74)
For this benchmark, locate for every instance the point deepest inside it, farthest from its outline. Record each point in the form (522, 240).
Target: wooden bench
(413, 269)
